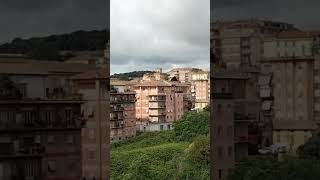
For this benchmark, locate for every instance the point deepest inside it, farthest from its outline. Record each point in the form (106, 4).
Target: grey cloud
(148, 34)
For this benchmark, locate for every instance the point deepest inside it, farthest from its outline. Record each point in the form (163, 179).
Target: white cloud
(150, 33)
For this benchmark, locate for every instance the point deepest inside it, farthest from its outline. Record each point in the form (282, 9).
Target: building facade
(122, 114)
(289, 58)
(95, 142)
(200, 87)
(40, 113)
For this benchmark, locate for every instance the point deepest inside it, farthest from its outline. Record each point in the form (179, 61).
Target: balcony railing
(31, 151)
(117, 125)
(116, 108)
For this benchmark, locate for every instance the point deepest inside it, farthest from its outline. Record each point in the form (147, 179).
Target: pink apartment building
(159, 103)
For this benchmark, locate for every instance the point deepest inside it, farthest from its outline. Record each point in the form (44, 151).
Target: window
(220, 152)
(48, 116)
(220, 173)
(91, 134)
(23, 89)
(230, 151)
(219, 130)
(68, 116)
(52, 167)
(91, 154)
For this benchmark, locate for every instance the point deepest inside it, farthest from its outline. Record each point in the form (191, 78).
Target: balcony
(117, 108)
(159, 112)
(9, 151)
(41, 124)
(154, 98)
(122, 98)
(117, 125)
(157, 105)
(116, 118)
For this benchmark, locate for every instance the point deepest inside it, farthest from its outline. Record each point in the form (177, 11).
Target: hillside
(166, 154)
(49, 47)
(130, 75)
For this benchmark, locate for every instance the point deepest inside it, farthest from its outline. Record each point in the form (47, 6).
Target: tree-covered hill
(130, 75)
(49, 47)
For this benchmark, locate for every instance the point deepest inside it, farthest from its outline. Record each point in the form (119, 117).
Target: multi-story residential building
(183, 75)
(240, 43)
(94, 85)
(122, 114)
(40, 121)
(233, 111)
(159, 103)
(200, 89)
(289, 58)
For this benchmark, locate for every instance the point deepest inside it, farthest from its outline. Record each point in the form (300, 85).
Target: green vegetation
(49, 47)
(269, 168)
(166, 155)
(311, 149)
(130, 75)
(304, 166)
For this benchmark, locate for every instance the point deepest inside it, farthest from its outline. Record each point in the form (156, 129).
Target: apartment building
(122, 114)
(159, 103)
(234, 110)
(200, 89)
(183, 75)
(240, 43)
(40, 120)
(94, 86)
(289, 58)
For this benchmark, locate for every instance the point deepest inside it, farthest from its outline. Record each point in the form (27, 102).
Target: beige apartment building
(240, 43)
(159, 103)
(93, 85)
(183, 75)
(289, 58)
(200, 89)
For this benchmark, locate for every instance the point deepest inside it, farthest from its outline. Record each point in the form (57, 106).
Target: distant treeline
(48, 47)
(130, 75)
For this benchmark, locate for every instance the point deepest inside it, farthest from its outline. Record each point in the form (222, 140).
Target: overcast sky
(304, 14)
(146, 34)
(26, 18)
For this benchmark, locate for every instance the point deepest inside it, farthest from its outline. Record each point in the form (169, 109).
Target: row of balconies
(10, 150)
(122, 98)
(41, 123)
